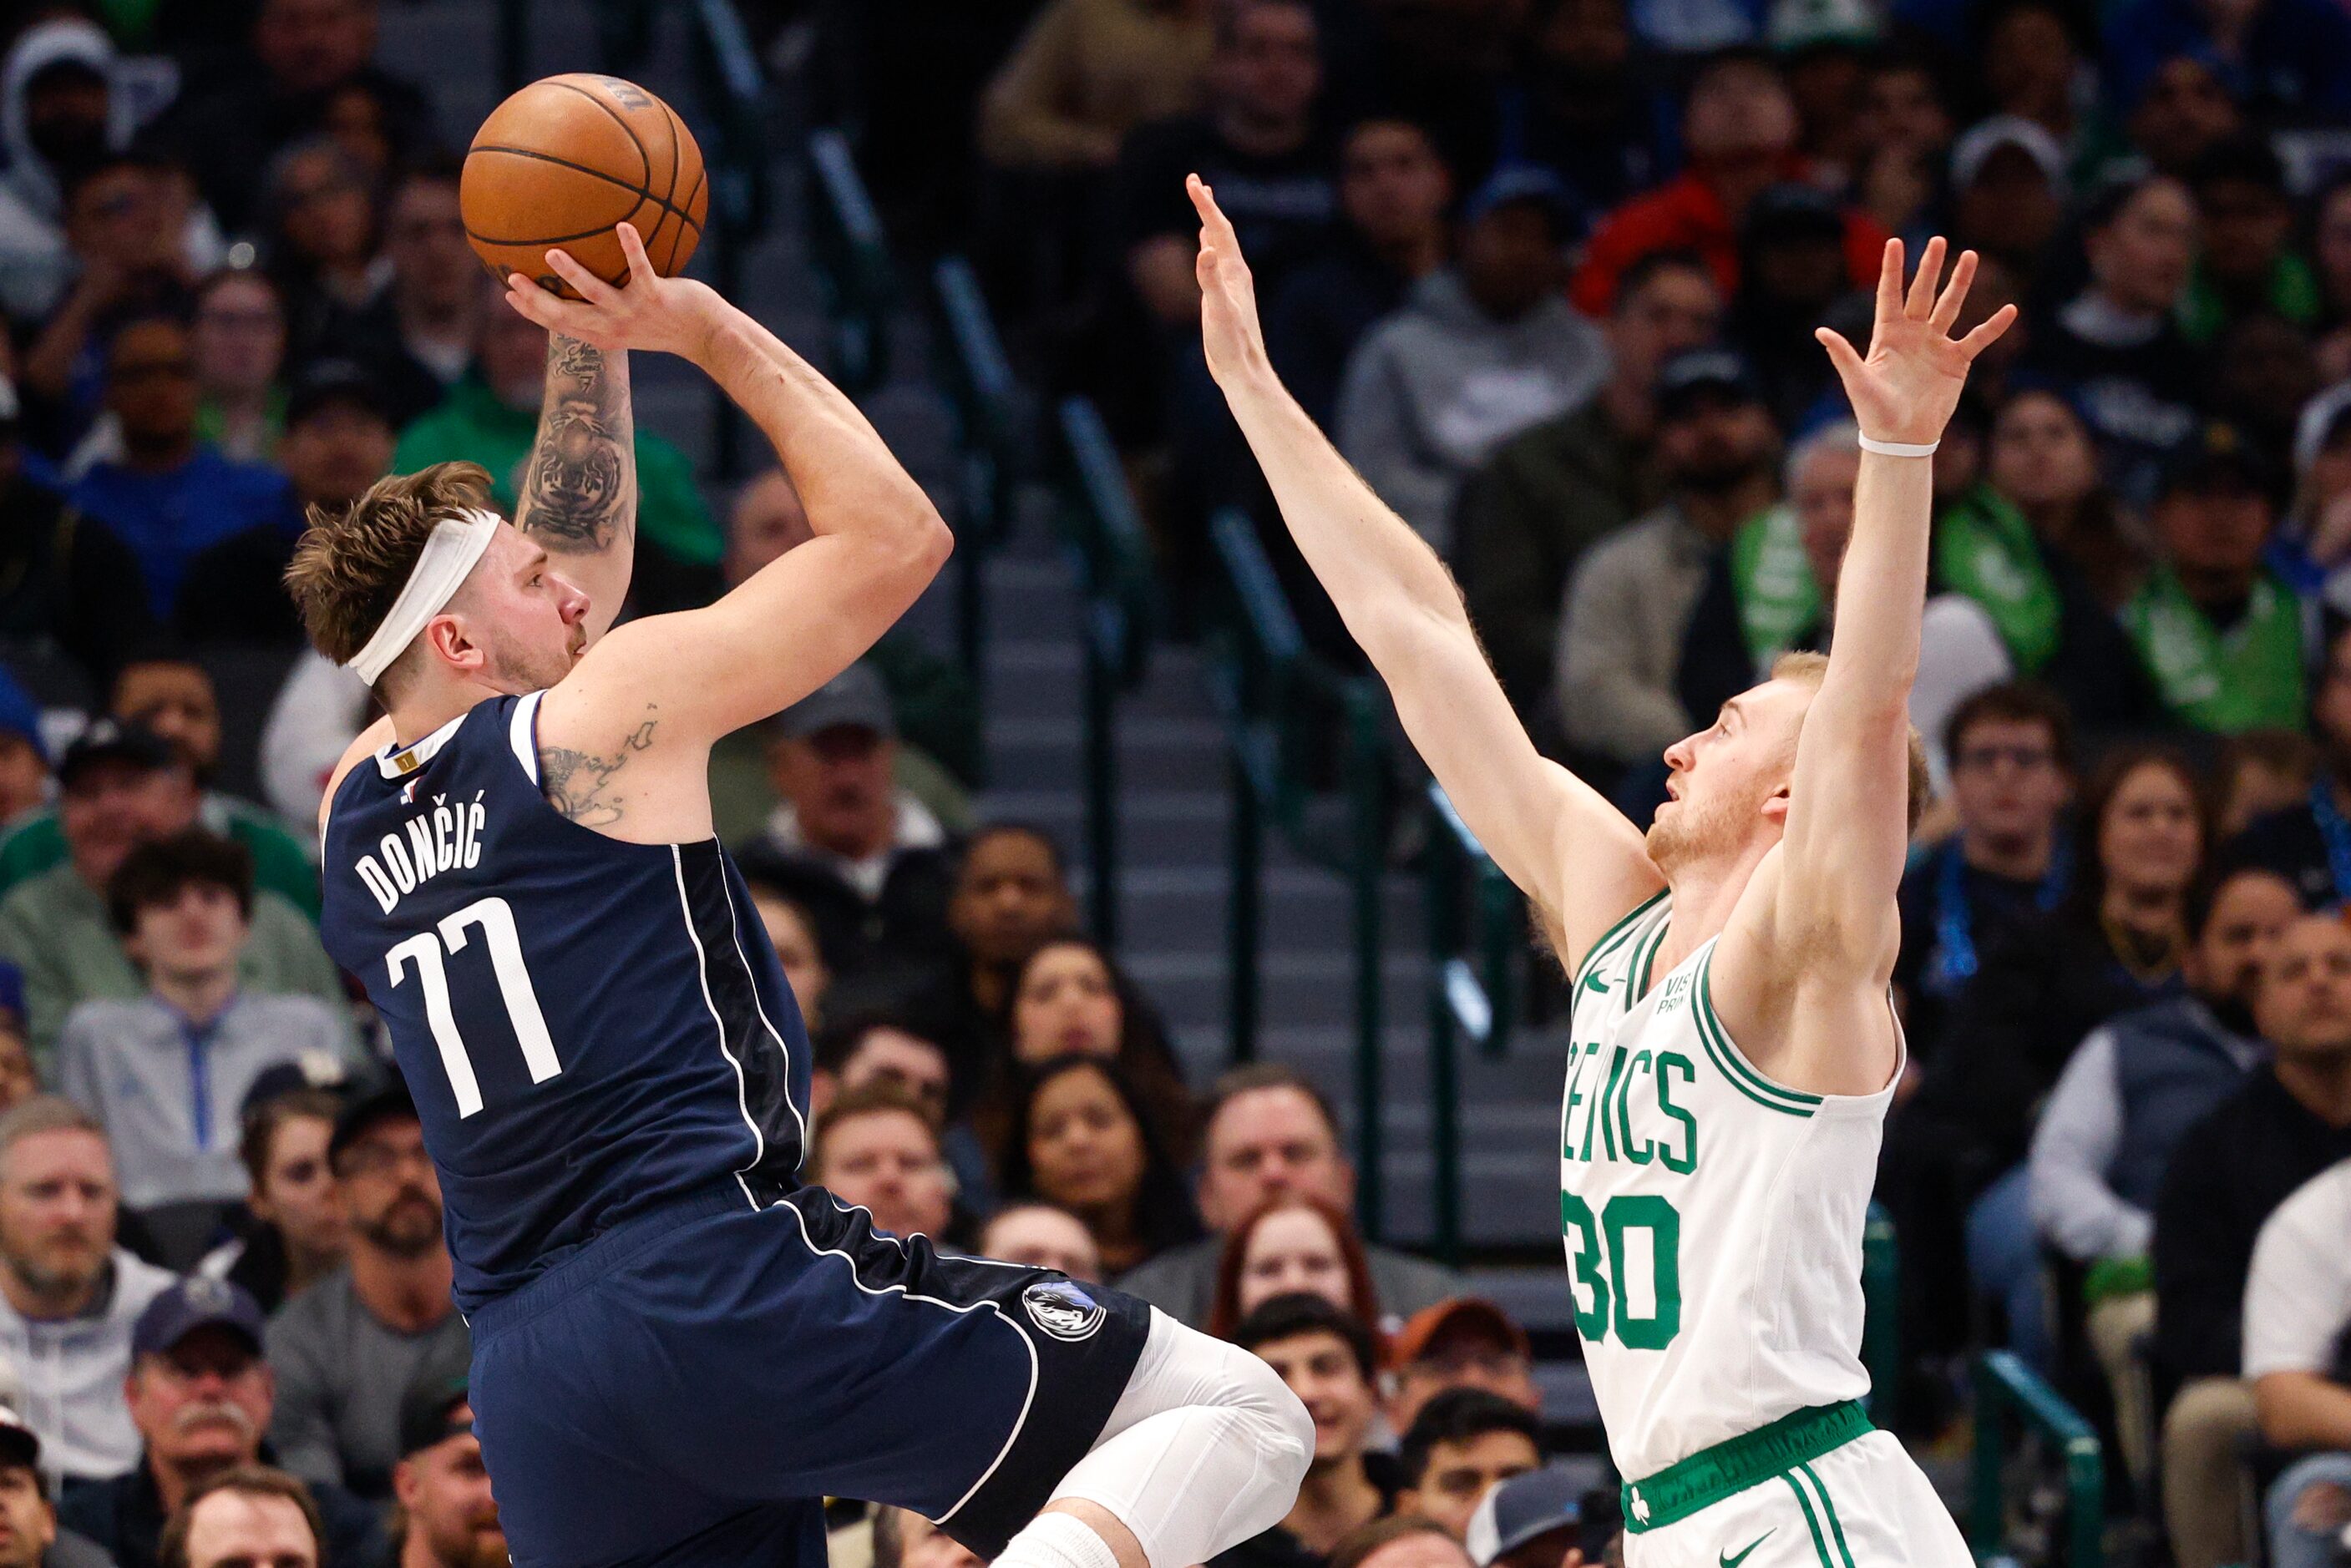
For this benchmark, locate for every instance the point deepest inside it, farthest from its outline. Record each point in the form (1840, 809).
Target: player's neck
(429, 704)
(1705, 892)
(407, 1296)
(1332, 1500)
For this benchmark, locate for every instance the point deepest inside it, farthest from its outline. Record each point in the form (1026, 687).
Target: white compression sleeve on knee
(1204, 1450)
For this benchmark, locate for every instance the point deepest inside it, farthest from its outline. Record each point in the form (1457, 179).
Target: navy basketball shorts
(688, 1386)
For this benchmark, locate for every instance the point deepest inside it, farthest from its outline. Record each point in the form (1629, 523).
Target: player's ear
(1775, 806)
(446, 636)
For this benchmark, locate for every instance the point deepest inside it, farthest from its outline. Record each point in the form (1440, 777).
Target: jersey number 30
(1627, 1219)
(422, 950)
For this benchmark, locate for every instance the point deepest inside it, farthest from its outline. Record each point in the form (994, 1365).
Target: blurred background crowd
(1548, 271)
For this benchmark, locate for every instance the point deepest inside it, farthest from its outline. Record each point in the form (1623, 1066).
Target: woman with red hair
(1294, 1243)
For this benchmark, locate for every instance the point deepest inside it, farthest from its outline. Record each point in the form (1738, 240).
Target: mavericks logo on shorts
(1063, 1309)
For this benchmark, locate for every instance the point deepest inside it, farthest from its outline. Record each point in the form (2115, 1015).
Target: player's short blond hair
(1811, 669)
(351, 564)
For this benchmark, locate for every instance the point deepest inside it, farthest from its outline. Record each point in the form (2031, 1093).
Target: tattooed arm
(580, 484)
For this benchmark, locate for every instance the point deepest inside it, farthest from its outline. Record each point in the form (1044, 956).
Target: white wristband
(1899, 448)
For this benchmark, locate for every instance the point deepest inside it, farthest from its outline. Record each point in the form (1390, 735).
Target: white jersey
(1713, 1218)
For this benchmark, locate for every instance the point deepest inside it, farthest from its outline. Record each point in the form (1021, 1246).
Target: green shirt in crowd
(280, 865)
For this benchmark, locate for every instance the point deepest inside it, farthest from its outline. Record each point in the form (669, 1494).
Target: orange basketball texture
(561, 162)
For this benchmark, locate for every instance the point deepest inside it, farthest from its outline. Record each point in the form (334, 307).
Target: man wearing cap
(200, 1393)
(1629, 605)
(30, 1536)
(68, 1295)
(868, 860)
(1481, 349)
(2219, 631)
(1534, 1520)
(447, 1518)
(119, 786)
(347, 1349)
(1465, 1342)
(2007, 188)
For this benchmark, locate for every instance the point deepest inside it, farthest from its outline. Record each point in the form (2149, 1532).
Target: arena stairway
(1174, 801)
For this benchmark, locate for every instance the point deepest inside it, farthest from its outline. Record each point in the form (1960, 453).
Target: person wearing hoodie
(61, 117)
(69, 1294)
(1480, 350)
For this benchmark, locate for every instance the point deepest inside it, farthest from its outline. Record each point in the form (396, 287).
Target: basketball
(563, 160)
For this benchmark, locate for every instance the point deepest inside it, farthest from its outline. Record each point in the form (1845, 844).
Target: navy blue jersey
(592, 1029)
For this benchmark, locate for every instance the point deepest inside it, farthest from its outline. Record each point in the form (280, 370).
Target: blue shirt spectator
(2290, 57)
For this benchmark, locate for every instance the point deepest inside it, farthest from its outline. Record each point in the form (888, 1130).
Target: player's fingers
(529, 300)
(1841, 353)
(1889, 282)
(633, 245)
(1922, 287)
(1987, 334)
(584, 284)
(1955, 294)
(1212, 217)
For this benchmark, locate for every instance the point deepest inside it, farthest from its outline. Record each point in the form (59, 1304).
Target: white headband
(456, 543)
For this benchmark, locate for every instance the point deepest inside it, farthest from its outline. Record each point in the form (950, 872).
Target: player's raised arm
(804, 617)
(1554, 835)
(1847, 826)
(579, 487)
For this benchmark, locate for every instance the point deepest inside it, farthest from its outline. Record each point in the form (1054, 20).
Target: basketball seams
(644, 158)
(641, 192)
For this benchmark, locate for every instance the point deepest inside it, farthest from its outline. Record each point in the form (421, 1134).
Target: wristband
(1899, 449)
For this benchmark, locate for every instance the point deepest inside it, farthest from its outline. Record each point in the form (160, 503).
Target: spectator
(1738, 133)
(874, 1044)
(1465, 1342)
(1905, 132)
(2318, 528)
(18, 1081)
(243, 1518)
(323, 241)
(346, 1348)
(1531, 1521)
(162, 692)
(118, 788)
(2246, 264)
(166, 1075)
(1326, 1357)
(491, 417)
(2008, 189)
(1393, 189)
(302, 53)
(1791, 279)
(1399, 1541)
(2114, 944)
(2117, 346)
(1462, 1443)
(1258, 143)
(1087, 72)
(2282, 57)
(1629, 603)
(1071, 998)
(239, 346)
(793, 934)
(2219, 630)
(1011, 896)
(30, 1536)
(338, 442)
(294, 1234)
(2181, 112)
(2128, 1092)
(1294, 1243)
(1084, 1141)
(2228, 1173)
(1589, 110)
(2032, 64)
(2040, 544)
(68, 585)
(2264, 373)
(2011, 772)
(1268, 1131)
(905, 1539)
(867, 859)
(2298, 843)
(200, 1394)
(68, 1295)
(171, 494)
(1480, 350)
(2260, 771)
(415, 336)
(876, 1148)
(447, 1517)
(129, 264)
(2330, 251)
(1042, 1236)
(24, 753)
(2297, 1306)
(1551, 492)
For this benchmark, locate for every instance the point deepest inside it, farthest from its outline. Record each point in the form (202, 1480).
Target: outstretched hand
(664, 314)
(1906, 387)
(1230, 330)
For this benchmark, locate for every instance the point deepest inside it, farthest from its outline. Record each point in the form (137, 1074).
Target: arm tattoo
(579, 784)
(580, 485)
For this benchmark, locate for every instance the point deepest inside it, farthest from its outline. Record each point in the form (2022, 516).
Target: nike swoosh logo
(1732, 1560)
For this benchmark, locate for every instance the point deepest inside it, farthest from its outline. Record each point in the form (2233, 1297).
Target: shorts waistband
(1709, 1475)
(604, 1251)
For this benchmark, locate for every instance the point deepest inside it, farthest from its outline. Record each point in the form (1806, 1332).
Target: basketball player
(677, 1348)
(1734, 1045)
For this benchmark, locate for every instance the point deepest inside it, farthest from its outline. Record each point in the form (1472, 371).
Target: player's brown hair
(1811, 669)
(351, 564)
